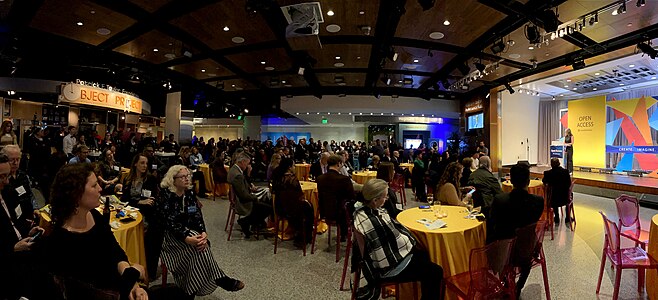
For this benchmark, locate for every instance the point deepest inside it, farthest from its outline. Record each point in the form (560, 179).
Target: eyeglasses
(188, 176)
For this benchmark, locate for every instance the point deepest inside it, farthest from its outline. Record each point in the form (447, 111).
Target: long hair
(451, 175)
(386, 171)
(569, 132)
(67, 190)
(133, 168)
(168, 180)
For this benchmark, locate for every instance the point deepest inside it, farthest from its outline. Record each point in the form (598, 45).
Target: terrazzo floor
(573, 260)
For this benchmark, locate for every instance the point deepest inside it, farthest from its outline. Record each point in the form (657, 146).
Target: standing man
(170, 145)
(482, 149)
(69, 141)
(334, 190)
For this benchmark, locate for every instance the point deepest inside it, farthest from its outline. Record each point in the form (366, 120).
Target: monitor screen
(476, 121)
(412, 143)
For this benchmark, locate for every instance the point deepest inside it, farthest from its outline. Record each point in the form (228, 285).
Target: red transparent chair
(232, 213)
(398, 186)
(548, 209)
(485, 278)
(622, 258)
(628, 209)
(530, 245)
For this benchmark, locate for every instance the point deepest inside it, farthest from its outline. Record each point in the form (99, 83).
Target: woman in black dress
(568, 149)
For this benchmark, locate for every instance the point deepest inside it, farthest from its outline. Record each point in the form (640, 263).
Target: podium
(557, 151)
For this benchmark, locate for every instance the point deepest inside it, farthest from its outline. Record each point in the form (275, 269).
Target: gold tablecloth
(219, 190)
(450, 247)
(310, 190)
(363, 176)
(129, 235)
(652, 275)
(124, 174)
(409, 166)
(536, 187)
(302, 171)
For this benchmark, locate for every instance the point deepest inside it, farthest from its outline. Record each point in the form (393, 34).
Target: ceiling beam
(22, 12)
(388, 18)
(224, 52)
(503, 28)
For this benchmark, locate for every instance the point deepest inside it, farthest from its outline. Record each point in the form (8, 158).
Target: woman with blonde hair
(448, 191)
(186, 249)
(274, 163)
(7, 135)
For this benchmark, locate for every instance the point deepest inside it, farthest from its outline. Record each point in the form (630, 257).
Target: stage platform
(623, 183)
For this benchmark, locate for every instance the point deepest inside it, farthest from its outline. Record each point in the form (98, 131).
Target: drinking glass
(430, 199)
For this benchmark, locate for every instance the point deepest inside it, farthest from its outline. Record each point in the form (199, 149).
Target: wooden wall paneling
(468, 20)
(60, 17)
(207, 25)
(194, 69)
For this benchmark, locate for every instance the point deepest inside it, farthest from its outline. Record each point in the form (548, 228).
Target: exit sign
(324, 121)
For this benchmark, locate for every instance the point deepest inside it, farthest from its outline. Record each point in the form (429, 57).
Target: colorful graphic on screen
(476, 121)
(632, 134)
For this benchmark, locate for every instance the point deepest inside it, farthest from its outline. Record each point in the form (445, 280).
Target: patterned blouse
(180, 214)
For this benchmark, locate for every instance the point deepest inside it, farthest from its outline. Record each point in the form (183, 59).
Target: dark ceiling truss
(388, 18)
(503, 28)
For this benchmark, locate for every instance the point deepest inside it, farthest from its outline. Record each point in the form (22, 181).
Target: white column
(251, 128)
(173, 115)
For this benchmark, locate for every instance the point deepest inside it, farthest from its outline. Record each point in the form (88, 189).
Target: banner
(557, 151)
(83, 94)
(587, 121)
(631, 149)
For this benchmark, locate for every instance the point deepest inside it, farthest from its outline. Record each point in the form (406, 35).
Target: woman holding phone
(448, 190)
(140, 189)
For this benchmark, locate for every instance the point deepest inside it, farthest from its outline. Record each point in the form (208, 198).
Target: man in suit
(251, 202)
(560, 182)
(515, 210)
(486, 185)
(334, 190)
(15, 240)
(320, 167)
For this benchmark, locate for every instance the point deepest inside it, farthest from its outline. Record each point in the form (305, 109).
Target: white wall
(520, 127)
(327, 132)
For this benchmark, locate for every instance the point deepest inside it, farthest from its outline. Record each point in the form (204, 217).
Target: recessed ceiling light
(92, 11)
(446, 22)
(269, 68)
(597, 73)
(349, 114)
(103, 31)
(416, 61)
(621, 84)
(339, 113)
(413, 115)
(232, 85)
(631, 66)
(594, 89)
(330, 13)
(283, 81)
(392, 114)
(360, 114)
(436, 35)
(566, 86)
(203, 70)
(79, 23)
(226, 28)
(155, 50)
(575, 89)
(653, 78)
(262, 62)
(307, 113)
(362, 12)
(333, 28)
(237, 40)
(298, 114)
(568, 80)
(339, 65)
(515, 56)
(358, 57)
(531, 47)
(317, 113)
(337, 57)
(629, 24)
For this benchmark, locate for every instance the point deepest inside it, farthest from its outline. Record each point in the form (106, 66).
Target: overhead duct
(302, 19)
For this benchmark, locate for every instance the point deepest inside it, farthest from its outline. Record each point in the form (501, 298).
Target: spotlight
(648, 50)
(426, 4)
(509, 88)
(550, 20)
(465, 87)
(408, 81)
(579, 64)
(640, 3)
(532, 34)
(480, 66)
(464, 69)
(498, 47)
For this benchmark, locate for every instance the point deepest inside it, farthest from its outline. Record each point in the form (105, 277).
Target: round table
(450, 246)
(536, 187)
(362, 177)
(408, 166)
(129, 235)
(124, 174)
(310, 190)
(219, 190)
(302, 171)
(652, 275)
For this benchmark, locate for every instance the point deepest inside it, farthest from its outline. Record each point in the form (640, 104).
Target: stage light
(648, 50)
(498, 47)
(464, 69)
(509, 88)
(408, 81)
(480, 66)
(532, 34)
(579, 64)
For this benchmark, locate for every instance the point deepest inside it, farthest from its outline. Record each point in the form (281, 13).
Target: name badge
(20, 190)
(146, 193)
(19, 211)
(116, 168)
(154, 167)
(192, 209)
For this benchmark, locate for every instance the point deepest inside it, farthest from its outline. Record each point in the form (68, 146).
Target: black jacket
(334, 190)
(560, 182)
(510, 211)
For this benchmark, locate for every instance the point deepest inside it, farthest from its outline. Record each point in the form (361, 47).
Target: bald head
(485, 162)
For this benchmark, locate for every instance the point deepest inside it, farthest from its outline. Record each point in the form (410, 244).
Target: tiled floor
(573, 260)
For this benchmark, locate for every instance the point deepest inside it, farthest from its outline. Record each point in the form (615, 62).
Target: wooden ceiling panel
(234, 85)
(284, 81)
(252, 62)
(407, 58)
(350, 79)
(60, 17)
(207, 24)
(349, 15)
(468, 20)
(397, 80)
(352, 56)
(151, 5)
(144, 47)
(555, 48)
(202, 69)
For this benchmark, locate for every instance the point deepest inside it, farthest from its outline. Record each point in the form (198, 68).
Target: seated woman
(183, 156)
(374, 164)
(448, 191)
(110, 173)
(194, 160)
(81, 247)
(186, 248)
(140, 189)
(467, 162)
(290, 202)
(274, 163)
(386, 173)
(389, 252)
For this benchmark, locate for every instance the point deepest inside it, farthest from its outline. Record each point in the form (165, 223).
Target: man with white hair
(17, 192)
(486, 185)
(320, 167)
(251, 202)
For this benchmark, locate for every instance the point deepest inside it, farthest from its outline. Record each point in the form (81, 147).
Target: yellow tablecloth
(449, 247)
(302, 171)
(536, 187)
(310, 190)
(219, 190)
(409, 166)
(652, 275)
(363, 176)
(129, 235)
(124, 174)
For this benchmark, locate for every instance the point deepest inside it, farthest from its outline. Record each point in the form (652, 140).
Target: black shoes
(245, 228)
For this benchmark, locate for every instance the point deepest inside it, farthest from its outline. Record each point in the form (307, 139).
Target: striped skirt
(195, 272)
